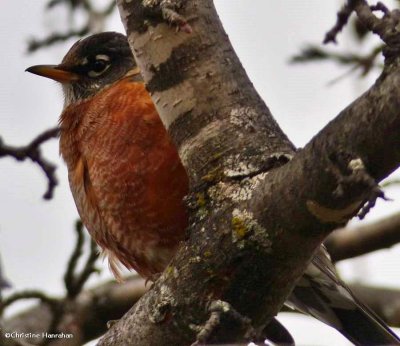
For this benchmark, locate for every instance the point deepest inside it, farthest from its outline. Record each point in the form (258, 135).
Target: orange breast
(125, 176)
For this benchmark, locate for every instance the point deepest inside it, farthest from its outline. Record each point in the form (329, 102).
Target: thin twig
(107, 301)
(33, 152)
(29, 294)
(93, 18)
(4, 283)
(366, 62)
(342, 18)
(391, 183)
(74, 281)
(73, 261)
(71, 3)
(35, 44)
(89, 267)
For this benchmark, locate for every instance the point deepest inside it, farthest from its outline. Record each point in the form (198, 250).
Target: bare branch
(71, 3)
(110, 300)
(32, 151)
(74, 281)
(365, 63)
(85, 316)
(30, 294)
(384, 27)
(94, 22)
(36, 44)
(348, 243)
(56, 313)
(342, 19)
(391, 182)
(4, 283)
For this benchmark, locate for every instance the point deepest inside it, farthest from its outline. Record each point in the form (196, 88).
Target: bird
(129, 184)
(124, 172)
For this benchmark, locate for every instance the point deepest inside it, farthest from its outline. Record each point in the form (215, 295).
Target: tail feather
(321, 294)
(361, 328)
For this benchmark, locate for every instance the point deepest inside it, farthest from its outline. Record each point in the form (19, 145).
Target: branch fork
(387, 27)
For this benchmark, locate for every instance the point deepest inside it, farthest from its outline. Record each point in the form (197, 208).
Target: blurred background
(37, 236)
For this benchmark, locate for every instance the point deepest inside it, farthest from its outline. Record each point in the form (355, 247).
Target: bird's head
(90, 65)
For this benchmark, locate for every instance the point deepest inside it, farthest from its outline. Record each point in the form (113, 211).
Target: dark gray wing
(321, 294)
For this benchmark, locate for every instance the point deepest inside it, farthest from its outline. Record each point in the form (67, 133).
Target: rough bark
(256, 219)
(111, 300)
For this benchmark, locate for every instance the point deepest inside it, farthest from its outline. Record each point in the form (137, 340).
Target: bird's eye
(99, 66)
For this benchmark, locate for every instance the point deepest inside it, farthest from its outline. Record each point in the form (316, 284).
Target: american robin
(124, 172)
(128, 182)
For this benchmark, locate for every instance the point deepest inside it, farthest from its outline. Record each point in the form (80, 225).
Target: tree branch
(365, 62)
(380, 26)
(36, 44)
(32, 151)
(342, 18)
(94, 21)
(57, 316)
(349, 243)
(74, 281)
(87, 315)
(4, 283)
(34, 294)
(266, 225)
(109, 301)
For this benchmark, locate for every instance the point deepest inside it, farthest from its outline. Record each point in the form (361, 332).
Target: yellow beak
(53, 72)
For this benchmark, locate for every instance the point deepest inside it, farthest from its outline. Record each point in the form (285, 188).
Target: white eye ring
(102, 57)
(104, 61)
